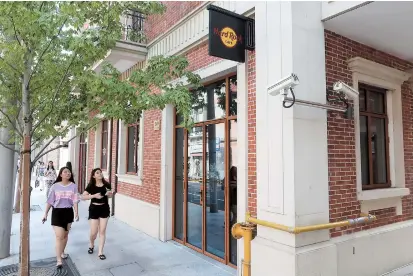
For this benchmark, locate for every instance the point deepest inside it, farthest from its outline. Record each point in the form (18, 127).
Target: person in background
(50, 176)
(40, 170)
(64, 198)
(98, 191)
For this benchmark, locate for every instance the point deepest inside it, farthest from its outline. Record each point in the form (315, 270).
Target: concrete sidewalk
(129, 252)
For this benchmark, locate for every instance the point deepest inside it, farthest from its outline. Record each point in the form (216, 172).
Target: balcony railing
(133, 27)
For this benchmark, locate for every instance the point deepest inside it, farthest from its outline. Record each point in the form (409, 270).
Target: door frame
(227, 121)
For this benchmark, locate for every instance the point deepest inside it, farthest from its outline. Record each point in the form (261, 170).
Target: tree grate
(45, 267)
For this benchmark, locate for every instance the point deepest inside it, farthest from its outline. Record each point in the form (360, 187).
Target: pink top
(61, 196)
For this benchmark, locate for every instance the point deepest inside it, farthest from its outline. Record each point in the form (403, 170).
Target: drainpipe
(110, 151)
(115, 186)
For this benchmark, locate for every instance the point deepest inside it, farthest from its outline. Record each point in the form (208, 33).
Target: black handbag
(36, 183)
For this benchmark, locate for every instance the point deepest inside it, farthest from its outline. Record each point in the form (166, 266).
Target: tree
(48, 86)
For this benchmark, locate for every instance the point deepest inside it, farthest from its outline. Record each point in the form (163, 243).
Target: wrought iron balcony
(133, 23)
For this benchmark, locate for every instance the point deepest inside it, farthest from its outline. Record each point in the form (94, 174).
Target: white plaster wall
(138, 214)
(373, 252)
(292, 161)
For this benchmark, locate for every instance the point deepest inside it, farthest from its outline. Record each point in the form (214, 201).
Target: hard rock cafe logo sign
(228, 37)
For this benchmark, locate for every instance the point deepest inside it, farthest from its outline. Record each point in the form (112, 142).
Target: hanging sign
(229, 34)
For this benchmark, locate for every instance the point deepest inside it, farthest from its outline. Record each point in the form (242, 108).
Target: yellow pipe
(301, 229)
(244, 230)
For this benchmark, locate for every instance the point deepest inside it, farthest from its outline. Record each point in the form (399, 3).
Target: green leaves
(52, 48)
(165, 80)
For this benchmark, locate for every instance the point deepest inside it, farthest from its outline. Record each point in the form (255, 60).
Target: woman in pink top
(63, 197)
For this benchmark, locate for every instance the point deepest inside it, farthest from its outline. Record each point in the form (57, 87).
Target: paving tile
(127, 270)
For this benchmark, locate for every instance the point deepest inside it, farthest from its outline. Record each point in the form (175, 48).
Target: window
(380, 158)
(132, 149)
(104, 145)
(374, 142)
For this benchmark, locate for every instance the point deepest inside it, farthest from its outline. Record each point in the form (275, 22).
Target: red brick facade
(198, 58)
(156, 25)
(341, 143)
(252, 163)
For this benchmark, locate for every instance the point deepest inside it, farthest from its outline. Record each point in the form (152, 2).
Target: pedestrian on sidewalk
(40, 170)
(98, 191)
(50, 177)
(64, 199)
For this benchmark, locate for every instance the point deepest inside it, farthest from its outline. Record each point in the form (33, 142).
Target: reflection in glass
(233, 96)
(378, 138)
(209, 102)
(215, 195)
(131, 166)
(195, 174)
(232, 190)
(376, 102)
(362, 99)
(365, 156)
(179, 183)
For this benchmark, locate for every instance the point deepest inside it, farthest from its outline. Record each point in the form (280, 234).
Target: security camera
(346, 89)
(283, 85)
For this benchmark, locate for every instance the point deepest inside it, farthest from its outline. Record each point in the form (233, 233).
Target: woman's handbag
(36, 183)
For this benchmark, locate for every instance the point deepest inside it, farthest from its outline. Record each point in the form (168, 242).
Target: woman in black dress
(98, 191)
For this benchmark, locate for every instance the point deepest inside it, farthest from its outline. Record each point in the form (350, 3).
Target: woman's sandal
(102, 257)
(59, 266)
(90, 251)
(64, 256)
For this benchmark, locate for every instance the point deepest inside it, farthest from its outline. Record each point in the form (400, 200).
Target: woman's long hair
(92, 181)
(48, 167)
(59, 177)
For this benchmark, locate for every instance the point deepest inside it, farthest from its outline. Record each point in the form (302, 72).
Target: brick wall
(149, 191)
(90, 153)
(252, 163)
(156, 25)
(341, 143)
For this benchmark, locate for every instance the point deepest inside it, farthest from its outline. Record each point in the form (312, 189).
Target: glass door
(205, 169)
(215, 218)
(195, 190)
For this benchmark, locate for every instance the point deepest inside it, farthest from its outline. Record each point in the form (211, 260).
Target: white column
(167, 150)
(6, 193)
(242, 150)
(292, 159)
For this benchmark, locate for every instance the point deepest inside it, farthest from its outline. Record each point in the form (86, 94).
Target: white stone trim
(167, 158)
(212, 71)
(122, 140)
(192, 28)
(372, 73)
(130, 179)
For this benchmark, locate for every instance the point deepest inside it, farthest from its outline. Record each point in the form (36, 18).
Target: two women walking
(64, 197)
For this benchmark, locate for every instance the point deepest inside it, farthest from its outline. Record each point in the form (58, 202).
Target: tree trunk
(6, 194)
(25, 210)
(26, 168)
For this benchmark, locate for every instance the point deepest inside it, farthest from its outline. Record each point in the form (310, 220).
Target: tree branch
(9, 147)
(40, 155)
(11, 66)
(44, 51)
(15, 31)
(46, 145)
(11, 123)
(54, 96)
